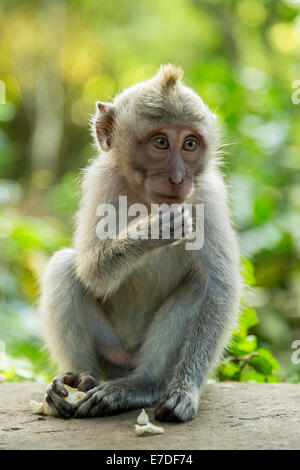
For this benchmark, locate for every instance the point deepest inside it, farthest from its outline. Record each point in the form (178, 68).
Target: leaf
(248, 317)
(272, 379)
(247, 270)
(252, 376)
(229, 370)
(261, 364)
(243, 346)
(269, 357)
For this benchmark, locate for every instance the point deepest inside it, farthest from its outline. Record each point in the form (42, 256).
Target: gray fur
(173, 308)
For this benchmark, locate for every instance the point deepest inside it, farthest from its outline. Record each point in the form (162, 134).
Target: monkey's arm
(102, 268)
(104, 264)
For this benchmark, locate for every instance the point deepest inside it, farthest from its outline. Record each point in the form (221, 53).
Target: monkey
(142, 321)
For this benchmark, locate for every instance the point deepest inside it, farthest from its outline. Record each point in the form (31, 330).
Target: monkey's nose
(176, 180)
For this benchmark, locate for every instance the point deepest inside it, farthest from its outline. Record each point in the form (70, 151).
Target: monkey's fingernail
(60, 389)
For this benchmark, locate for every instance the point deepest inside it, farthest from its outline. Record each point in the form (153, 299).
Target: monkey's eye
(190, 145)
(160, 143)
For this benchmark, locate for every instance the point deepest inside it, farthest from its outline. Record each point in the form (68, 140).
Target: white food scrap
(143, 418)
(148, 428)
(37, 407)
(73, 397)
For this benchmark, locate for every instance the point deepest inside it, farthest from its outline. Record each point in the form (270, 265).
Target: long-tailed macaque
(142, 320)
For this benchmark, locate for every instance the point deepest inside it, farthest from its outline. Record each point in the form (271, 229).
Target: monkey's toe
(178, 407)
(86, 382)
(95, 403)
(59, 407)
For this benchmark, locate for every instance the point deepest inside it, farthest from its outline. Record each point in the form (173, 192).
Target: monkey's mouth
(167, 199)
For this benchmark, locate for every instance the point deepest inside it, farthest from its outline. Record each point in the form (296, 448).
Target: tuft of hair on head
(168, 75)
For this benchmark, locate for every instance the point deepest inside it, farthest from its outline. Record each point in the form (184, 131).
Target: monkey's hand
(179, 405)
(169, 226)
(110, 397)
(175, 224)
(56, 392)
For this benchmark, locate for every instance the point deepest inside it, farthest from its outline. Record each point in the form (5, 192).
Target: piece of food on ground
(148, 429)
(143, 418)
(74, 396)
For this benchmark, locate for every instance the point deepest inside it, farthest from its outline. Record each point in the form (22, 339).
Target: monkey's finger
(68, 378)
(104, 401)
(178, 407)
(86, 382)
(176, 208)
(178, 222)
(51, 405)
(58, 387)
(183, 215)
(84, 399)
(170, 215)
(62, 408)
(92, 400)
(91, 393)
(55, 411)
(167, 415)
(168, 224)
(99, 409)
(167, 405)
(58, 401)
(82, 409)
(185, 222)
(88, 395)
(188, 225)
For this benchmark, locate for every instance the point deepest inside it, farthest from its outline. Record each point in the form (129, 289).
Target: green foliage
(27, 362)
(241, 56)
(25, 249)
(245, 361)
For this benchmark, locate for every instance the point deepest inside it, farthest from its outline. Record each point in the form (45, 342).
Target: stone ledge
(231, 416)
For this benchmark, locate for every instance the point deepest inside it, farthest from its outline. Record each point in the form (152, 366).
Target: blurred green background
(242, 56)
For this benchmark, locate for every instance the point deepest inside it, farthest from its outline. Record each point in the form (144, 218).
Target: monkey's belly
(132, 308)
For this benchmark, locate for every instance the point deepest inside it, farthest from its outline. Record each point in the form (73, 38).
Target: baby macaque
(146, 312)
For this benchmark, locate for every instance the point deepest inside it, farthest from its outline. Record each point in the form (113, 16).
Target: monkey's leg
(203, 340)
(76, 333)
(182, 344)
(146, 384)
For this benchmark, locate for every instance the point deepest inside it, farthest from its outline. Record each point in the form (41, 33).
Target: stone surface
(231, 416)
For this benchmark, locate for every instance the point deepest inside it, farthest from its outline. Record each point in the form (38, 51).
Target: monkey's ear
(104, 124)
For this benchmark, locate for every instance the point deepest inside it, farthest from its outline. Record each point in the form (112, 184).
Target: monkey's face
(161, 136)
(167, 160)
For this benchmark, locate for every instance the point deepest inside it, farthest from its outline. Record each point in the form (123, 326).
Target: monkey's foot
(111, 397)
(56, 391)
(177, 406)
